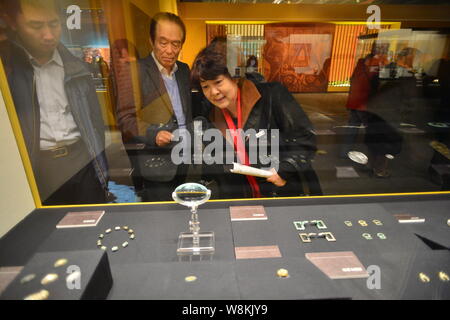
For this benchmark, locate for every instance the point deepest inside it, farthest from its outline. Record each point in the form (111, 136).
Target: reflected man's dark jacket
(267, 106)
(81, 96)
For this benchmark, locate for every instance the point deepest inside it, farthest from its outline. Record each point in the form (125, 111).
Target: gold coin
(60, 263)
(282, 273)
(51, 277)
(41, 295)
(27, 278)
(190, 278)
(443, 276)
(377, 222)
(423, 277)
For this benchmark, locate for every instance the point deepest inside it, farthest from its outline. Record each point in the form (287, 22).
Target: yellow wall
(16, 200)
(196, 14)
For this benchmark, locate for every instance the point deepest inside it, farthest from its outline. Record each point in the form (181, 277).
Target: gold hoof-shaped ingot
(363, 223)
(41, 295)
(60, 263)
(424, 278)
(367, 236)
(51, 277)
(443, 276)
(27, 278)
(282, 273)
(190, 278)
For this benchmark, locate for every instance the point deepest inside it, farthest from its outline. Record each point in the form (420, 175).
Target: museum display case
(364, 209)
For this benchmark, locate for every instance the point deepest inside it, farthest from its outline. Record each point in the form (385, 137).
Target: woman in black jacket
(228, 104)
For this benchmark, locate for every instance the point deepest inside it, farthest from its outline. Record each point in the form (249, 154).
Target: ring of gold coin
(130, 232)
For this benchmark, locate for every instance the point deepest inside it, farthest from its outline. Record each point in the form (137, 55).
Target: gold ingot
(363, 223)
(60, 263)
(443, 276)
(27, 278)
(130, 231)
(41, 295)
(51, 277)
(125, 244)
(115, 248)
(382, 236)
(377, 222)
(117, 228)
(423, 277)
(190, 278)
(101, 236)
(348, 223)
(132, 237)
(367, 236)
(103, 248)
(125, 228)
(282, 273)
(108, 231)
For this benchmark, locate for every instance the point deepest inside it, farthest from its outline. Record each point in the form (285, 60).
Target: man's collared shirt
(58, 126)
(171, 84)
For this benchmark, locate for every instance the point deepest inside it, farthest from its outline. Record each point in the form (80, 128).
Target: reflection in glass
(382, 92)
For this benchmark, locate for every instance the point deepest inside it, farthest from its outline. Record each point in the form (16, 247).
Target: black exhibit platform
(69, 275)
(148, 268)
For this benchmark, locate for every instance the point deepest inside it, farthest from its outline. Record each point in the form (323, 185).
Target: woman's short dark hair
(166, 16)
(208, 65)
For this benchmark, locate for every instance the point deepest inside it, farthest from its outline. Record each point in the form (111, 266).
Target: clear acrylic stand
(194, 242)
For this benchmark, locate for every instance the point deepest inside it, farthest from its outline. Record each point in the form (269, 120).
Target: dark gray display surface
(149, 268)
(95, 279)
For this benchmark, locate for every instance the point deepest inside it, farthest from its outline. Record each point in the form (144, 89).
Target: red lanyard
(238, 142)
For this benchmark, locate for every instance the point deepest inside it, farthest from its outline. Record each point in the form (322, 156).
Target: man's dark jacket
(140, 122)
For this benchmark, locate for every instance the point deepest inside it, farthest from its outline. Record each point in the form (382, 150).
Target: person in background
(123, 58)
(251, 72)
(363, 84)
(252, 64)
(56, 104)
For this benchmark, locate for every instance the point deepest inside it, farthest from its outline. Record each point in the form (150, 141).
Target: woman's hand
(276, 179)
